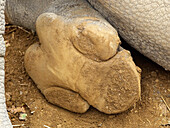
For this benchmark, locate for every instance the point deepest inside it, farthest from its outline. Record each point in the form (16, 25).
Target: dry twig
(165, 103)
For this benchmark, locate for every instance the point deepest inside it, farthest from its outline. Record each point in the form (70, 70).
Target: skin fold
(78, 61)
(145, 25)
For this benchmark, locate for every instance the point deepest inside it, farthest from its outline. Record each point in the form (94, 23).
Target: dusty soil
(23, 96)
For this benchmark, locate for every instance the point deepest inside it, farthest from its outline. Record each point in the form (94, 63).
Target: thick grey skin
(4, 119)
(25, 12)
(145, 25)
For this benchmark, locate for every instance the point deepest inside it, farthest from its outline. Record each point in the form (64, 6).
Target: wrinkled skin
(144, 24)
(78, 61)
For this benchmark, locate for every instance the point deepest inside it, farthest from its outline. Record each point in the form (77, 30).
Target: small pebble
(99, 125)
(157, 80)
(22, 116)
(59, 126)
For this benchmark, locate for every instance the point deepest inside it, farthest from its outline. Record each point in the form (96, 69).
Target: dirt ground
(23, 96)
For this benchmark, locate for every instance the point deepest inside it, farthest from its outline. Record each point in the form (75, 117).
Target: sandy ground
(23, 96)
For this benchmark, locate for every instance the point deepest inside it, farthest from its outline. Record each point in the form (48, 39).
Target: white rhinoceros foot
(77, 63)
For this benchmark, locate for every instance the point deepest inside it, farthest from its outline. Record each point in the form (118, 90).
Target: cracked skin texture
(74, 75)
(145, 25)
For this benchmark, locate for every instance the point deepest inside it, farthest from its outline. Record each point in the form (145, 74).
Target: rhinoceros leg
(78, 51)
(69, 57)
(145, 25)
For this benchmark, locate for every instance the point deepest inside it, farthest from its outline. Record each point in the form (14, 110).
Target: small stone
(59, 126)
(99, 125)
(22, 116)
(136, 111)
(156, 80)
(13, 119)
